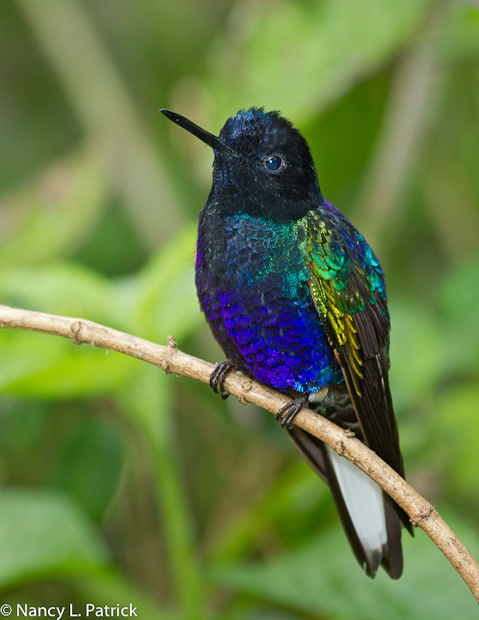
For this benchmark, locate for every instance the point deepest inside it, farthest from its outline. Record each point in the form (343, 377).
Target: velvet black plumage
(297, 299)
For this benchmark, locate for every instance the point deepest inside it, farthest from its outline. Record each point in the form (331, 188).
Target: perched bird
(297, 300)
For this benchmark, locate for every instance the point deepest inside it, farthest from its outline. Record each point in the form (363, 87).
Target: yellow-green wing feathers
(348, 289)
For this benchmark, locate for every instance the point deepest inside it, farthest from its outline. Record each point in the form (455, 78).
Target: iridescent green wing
(348, 289)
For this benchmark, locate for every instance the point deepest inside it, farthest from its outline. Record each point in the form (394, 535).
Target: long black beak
(208, 138)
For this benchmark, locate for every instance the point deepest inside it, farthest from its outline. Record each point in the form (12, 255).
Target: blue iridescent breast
(254, 292)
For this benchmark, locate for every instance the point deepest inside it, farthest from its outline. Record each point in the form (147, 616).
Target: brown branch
(172, 360)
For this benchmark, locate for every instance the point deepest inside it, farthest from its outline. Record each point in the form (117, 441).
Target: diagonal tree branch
(172, 360)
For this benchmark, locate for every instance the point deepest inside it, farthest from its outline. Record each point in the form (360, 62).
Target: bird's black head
(263, 165)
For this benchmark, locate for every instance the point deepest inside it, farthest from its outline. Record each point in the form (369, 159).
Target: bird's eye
(273, 163)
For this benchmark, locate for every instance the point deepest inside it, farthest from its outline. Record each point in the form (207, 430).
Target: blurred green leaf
(458, 422)
(59, 288)
(319, 49)
(44, 534)
(299, 494)
(323, 579)
(47, 366)
(459, 298)
(158, 302)
(162, 300)
(461, 37)
(417, 353)
(44, 365)
(53, 213)
(93, 452)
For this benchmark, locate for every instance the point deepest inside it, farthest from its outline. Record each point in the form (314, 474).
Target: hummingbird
(297, 300)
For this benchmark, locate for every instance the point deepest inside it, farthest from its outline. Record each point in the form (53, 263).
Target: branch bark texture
(172, 360)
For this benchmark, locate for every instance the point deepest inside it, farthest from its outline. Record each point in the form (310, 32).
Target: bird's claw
(218, 376)
(288, 413)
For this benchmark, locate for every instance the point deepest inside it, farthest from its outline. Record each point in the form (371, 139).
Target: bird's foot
(287, 414)
(218, 376)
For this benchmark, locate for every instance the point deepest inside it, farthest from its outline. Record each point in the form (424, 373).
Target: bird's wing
(348, 289)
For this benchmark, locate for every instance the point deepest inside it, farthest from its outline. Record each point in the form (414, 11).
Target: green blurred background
(121, 484)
